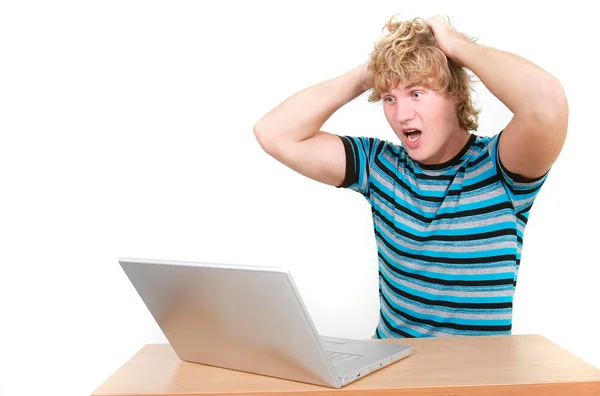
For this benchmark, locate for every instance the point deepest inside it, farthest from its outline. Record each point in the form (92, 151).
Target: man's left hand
(446, 36)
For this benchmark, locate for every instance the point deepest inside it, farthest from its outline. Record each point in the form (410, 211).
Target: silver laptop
(250, 319)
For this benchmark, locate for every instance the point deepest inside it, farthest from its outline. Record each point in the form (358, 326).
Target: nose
(404, 114)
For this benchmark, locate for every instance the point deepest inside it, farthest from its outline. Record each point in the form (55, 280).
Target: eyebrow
(408, 87)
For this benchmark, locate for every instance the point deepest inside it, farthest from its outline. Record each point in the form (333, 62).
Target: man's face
(424, 120)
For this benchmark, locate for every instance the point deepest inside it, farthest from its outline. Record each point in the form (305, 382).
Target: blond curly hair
(408, 53)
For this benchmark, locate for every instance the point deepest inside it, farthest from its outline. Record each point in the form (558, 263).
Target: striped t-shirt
(448, 236)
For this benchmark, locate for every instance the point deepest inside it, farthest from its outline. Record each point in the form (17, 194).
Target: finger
(439, 19)
(435, 20)
(432, 20)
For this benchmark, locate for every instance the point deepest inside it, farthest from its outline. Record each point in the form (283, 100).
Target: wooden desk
(504, 365)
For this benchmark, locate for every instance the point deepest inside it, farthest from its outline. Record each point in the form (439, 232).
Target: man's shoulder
(485, 140)
(482, 148)
(377, 146)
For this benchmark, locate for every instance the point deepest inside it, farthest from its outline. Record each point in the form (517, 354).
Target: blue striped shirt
(448, 236)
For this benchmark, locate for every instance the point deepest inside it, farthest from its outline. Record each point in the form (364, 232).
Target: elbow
(549, 118)
(263, 137)
(258, 134)
(551, 110)
(554, 107)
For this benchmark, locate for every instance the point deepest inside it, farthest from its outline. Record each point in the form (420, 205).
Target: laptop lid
(245, 318)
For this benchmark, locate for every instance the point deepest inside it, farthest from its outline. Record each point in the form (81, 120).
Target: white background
(126, 130)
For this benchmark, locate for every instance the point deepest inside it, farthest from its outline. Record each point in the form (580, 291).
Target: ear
(458, 100)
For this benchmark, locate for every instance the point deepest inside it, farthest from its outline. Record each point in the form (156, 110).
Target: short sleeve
(522, 191)
(360, 154)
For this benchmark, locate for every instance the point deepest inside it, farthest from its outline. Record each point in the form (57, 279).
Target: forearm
(303, 114)
(527, 90)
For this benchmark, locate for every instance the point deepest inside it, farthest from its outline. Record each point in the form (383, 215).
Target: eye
(388, 99)
(416, 94)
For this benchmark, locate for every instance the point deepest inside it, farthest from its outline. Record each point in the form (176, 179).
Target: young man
(449, 207)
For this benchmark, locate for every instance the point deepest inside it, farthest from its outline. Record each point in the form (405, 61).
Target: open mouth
(412, 135)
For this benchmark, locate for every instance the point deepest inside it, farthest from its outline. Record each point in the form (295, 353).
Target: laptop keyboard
(340, 359)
